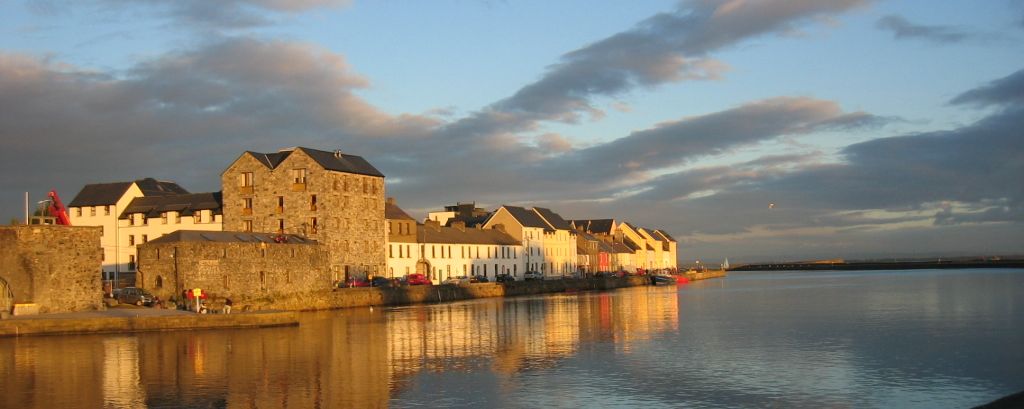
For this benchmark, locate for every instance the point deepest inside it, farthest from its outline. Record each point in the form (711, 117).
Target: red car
(417, 279)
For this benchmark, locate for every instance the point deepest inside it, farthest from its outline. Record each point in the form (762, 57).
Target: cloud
(903, 29)
(204, 14)
(1004, 91)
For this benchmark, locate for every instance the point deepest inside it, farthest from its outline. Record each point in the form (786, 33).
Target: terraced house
(334, 198)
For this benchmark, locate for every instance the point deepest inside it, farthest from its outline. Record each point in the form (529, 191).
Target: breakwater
(384, 296)
(704, 275)
(881, 265)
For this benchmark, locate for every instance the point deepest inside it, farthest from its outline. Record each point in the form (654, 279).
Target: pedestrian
(227, 305)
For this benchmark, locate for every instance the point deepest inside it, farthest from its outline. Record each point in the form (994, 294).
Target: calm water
(928, 339)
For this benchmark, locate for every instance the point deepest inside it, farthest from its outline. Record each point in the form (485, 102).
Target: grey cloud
(1008, 90)
(667, 47)
(203, 14)
(903, 29)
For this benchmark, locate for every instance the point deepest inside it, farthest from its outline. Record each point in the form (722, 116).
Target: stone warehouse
(331, 197)
(56, 268)
(239, 265)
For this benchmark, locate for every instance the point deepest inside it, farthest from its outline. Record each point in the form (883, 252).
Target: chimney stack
(459, 224)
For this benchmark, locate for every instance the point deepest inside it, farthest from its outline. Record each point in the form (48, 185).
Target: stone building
(332, 197)
(239, 265)
(56, 268)
(101, 204)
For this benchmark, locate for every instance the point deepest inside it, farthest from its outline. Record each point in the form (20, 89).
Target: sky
(748, 129)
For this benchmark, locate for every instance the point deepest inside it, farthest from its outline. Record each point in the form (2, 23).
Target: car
(479, 279)
(417, 279)
(359, 282)
(380, 282)
(504, 278)
(457, 280)
(532, 275)
(134, 295)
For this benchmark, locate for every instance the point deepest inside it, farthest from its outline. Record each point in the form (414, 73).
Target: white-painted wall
(106, 217)
(137, 230)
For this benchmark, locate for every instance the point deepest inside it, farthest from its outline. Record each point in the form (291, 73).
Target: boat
(660, 279)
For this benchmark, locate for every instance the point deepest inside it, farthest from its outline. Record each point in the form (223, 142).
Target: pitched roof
(97, 194)
(603, 246)
(335, 161)
(393, 212)
(596, 225)
(153, 206)
(666, 235)
(553, 219)
(620, 248)
(629, 243)
(229, 237)
(452, 235)
(527, 218)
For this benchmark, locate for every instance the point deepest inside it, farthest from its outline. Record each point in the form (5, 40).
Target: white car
(532, 275)
(459, 280)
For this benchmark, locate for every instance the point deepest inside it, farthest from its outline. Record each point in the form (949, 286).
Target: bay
(909, 339)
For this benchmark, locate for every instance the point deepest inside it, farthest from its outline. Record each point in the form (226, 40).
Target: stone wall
(55, 267)
(242, 271)
(349, 209)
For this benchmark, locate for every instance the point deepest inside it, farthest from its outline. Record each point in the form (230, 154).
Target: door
(6, 296)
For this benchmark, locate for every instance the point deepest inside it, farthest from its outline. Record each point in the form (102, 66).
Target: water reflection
(785, 339)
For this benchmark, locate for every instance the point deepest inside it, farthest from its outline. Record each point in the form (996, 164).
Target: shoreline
(898, 265)
(283, 311)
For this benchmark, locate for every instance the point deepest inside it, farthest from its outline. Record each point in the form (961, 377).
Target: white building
(560, 245)
(527, 227)
(101, 204)
(148, 218)
(458, 250)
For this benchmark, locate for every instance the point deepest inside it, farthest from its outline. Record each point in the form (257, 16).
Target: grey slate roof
(335, 161)
(605, 247)
(452, 235)
(228, 237)
(595, 226)
(393, 212)
(620, 248)
(527, 218)
(666, 235)
(553, 219)
(186, 205)
(99, 194)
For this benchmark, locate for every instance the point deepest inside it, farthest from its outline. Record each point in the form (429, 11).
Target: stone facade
(314, 194)
(242, 270)
(56, 267)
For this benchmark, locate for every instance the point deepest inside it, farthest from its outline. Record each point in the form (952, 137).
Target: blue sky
(663, 113)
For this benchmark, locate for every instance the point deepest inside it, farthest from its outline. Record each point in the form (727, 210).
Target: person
(227, 305)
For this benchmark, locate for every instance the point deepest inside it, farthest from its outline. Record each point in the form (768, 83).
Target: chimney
(433, 224)
(459, 224)
(337, 153)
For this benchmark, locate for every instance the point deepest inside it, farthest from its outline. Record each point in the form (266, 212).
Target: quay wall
(382, 296)
(105, 325)
(56, 268)
(704, 275)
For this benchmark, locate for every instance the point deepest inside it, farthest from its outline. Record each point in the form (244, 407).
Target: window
(163, 218)
(145, 238)
(197, 217)
(159, 282)
(131, 263)
(312, 202)
(280, 226)
(106, 210)
(131, 239)
(299, 176)
(280, 204)
(78, 212)
(391, 251)
(247, 205)
(144, 220)
(312, 225)
(366, 186)
(245, 179)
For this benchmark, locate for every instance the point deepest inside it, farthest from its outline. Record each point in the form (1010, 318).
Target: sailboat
(725, 265)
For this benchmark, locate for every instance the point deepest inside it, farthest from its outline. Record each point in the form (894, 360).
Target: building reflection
(348, 358)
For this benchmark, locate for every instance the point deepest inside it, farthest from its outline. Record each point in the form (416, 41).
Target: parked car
(359, 282)
(457, 280)
(417, 279)
(504, 278)
(479, 279)
(380, 282)
(134, 295)
(532, 275)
